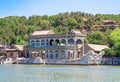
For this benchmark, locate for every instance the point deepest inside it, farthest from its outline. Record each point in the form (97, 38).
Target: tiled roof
(108, 21)
(20, 47)
(96, 47)
(74, 31)
(43, 32)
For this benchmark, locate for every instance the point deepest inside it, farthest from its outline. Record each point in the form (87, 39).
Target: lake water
(59, 73)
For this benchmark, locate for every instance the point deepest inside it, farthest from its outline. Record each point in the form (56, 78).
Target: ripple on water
(59, 73)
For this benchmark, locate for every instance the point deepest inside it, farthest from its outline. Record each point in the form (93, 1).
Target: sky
(51, 7)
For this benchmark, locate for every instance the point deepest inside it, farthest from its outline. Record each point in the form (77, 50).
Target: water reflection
(58, 73)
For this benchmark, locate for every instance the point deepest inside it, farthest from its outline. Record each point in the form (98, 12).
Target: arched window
(47, 42)
(62, 54)
(51, 42)
(63, 42)
(79, 54)
(42, 42)
(51, 51)
(32, 43)
(37, 43)
(56, 56)
(57, 42)
(78, 43)
(71, 42)
(68, 54)
(72, 55)
(62, 51)
(51, 56)
(56, 51)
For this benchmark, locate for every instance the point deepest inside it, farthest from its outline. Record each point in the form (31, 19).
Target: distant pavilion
(107, 24)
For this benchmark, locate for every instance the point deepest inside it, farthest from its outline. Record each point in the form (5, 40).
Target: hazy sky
(52, 7)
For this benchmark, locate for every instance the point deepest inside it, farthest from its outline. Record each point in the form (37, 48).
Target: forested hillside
(16, 29)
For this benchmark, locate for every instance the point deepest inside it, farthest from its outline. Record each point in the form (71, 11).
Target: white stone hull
(87, 59)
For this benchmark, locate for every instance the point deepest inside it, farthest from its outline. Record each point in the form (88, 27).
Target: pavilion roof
(97, 47)
(109, 21)
(43, 32)
(75, 31)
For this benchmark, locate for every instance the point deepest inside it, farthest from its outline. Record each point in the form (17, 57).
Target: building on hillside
(2, 50)
(48, 45)
(107, 24)
(15, 51)
(21, 52)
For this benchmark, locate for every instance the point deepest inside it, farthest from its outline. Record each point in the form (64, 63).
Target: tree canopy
(16, 29)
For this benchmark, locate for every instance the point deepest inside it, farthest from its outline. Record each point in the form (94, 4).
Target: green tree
(115, 35)
(97, 38)
(45, 24)
(115, 40)
(72, 22)
(14, 26)
(109, 52)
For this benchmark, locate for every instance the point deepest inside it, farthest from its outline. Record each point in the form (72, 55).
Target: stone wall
(110, 61)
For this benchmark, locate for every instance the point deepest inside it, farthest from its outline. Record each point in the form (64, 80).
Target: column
(45, 50)
(66, 54)
(58, 54)
(48, 54)
(53, 54)
(30, 42)
(83, 46)
(74, 48)
(60, 42)
(53, 43)
(39, 43)
(66, 45)
(35, 42)
(48, 42)
(45, 43)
